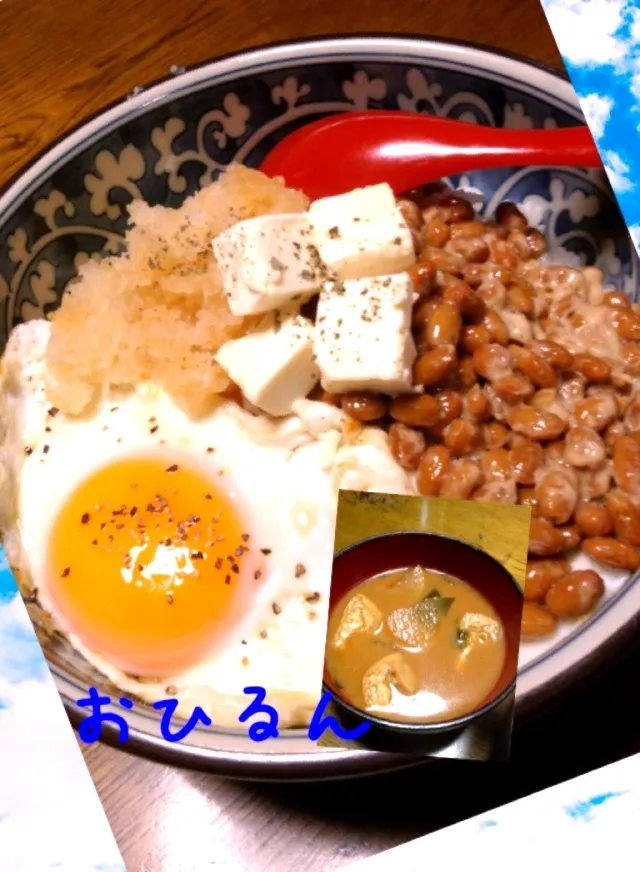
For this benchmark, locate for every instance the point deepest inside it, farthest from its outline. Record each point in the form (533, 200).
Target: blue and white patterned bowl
(162, 143)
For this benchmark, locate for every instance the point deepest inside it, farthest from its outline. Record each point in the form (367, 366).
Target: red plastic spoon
(353, 149)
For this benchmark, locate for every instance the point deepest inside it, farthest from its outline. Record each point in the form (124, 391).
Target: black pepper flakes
(265, 551)
(300, 570)
(65, 572)
(276, 608)
(85, 518)
(28, 450)
(172, 468)
(52, 412)
(313, 597)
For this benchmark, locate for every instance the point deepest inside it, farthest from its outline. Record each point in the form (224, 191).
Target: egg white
(284, 476)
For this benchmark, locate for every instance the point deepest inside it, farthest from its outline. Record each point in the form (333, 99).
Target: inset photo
(424, 624)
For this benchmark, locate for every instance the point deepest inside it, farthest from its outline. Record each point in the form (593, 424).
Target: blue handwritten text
(90, 728)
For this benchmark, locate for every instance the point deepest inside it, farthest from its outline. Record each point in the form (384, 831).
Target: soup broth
(415, 646)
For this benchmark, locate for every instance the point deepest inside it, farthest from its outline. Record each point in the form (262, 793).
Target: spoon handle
(407, 149)
(478, 146)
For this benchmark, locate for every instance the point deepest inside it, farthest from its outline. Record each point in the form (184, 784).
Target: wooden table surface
(62, 59)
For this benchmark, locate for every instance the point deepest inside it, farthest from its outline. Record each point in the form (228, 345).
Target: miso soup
(416, 646)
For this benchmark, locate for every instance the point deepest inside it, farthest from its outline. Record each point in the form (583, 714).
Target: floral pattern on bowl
(164, 143)
(81, 209)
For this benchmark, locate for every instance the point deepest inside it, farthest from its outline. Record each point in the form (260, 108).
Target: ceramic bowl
(396, 551)
(162, 143)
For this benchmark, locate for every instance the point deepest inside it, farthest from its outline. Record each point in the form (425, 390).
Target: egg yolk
(149, 563)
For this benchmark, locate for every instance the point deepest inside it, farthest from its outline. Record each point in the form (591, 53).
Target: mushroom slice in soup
(360, 616)
(476, 629)
(379, 679)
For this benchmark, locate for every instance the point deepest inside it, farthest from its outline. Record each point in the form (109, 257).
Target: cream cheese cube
(274, 365)
(363, 335)
(362, 233)
(268, 262)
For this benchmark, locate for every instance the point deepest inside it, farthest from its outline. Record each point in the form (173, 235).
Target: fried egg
(181, 558)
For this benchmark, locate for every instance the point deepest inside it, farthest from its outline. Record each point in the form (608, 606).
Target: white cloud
(587, 31)
(40, 753)
(634, 232)
(617, 170)
(21, 656)
(597, 110)
(635, 26)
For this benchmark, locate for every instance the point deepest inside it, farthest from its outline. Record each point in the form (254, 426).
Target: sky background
(600, 44)
(599, 41)
(50, 814)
